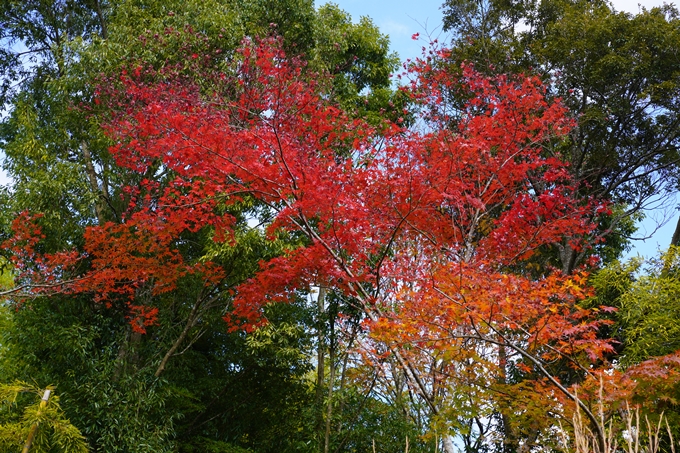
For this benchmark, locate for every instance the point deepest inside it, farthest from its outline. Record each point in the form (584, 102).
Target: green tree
(646, 294)
(618, 73)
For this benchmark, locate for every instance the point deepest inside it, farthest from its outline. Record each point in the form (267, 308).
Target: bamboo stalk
(34, 428)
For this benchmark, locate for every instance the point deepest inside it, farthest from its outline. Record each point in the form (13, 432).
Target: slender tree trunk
(320, 358)
(675, 240)
(191, 322)
(447, 444)
(508, 435)
(568, 257)
(94, 185)
(343, 374)
(127, 353)
(331, 378)
(102, 20)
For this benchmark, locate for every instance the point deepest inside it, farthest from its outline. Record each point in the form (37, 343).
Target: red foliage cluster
(43, 273)
(384, 209)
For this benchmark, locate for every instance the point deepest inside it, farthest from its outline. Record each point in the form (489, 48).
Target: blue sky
(400, 19)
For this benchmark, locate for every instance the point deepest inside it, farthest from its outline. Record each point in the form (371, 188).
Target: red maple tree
(427, 228)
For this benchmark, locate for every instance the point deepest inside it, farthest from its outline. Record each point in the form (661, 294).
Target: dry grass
(636, 437)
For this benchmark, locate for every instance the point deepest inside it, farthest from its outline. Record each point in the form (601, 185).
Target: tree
(615, 71)
(644, 293)
(648, 310)
(418, 229)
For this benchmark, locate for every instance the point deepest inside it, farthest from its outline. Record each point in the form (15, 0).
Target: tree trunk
(320, 359)
(331, 378)
(447, 444)
(191, 322)
(676, 235)
(508, 435)
(94, 185)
